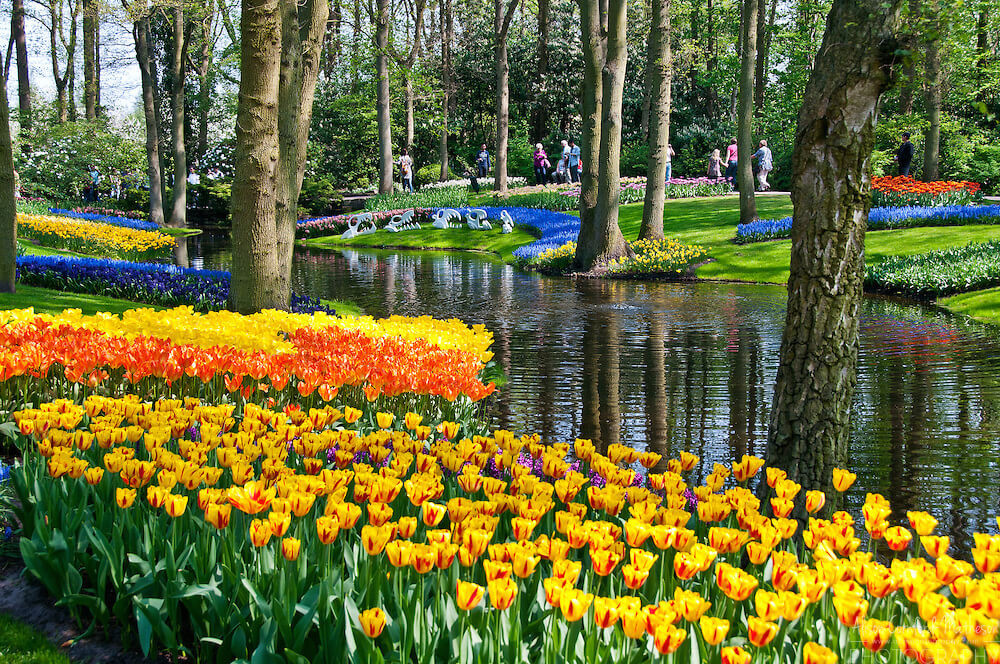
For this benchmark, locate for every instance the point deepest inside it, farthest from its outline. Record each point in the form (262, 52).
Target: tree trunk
(8, 203)
(97, 64)
(713, 60)
(447, 23)
(205, 78)
(982, 48)
(501, 24)
(302, 29)
(21, 48)
(541, 116)
(408, 108)
(932, 101)
(355, 45)
(178, 218)
(255, 267)
(906, 92)
(331, 40)
(603, 241)
(831, 181)
(55, 22)
(140, 33)
(90, 59)
(744, 133)
(382, 111)
(590, 133)
(765, 28)
(658, 73)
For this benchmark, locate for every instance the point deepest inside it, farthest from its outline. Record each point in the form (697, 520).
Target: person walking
(765, 164)
(904, 155)
(483, 161)
(574, 161)
(731, 162)
(670, 155)
(540, 159)
(406, 170)
(715, 165)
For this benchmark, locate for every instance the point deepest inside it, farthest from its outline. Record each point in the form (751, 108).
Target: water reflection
(692, 366)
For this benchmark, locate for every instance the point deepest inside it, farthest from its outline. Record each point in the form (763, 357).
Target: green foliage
(319, 196)
(448, 197)
(432, 173)
(634, 159)
(555, 200)
(520, 158)
(343, 139)
(53, 161)
(20, 644)
(211, 195)
(936, 273)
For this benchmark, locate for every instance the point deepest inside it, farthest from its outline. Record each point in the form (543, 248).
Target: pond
(673, 366)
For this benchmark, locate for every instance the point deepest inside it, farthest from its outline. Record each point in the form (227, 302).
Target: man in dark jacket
(483, 161)
(904, 155)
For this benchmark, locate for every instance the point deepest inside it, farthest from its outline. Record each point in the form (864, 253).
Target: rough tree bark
(590, 110)
(302, 28)
(658, 77)
(178, 68)
(909, 82)
(140, 34)
(8, 204)
(744, 123)
(501, 25)
(382, 102)
(204, 70)
(765, 31)
(21, 48)
(932, 102)
(601, 240)
(541, 116)
(831, 181)
(90, 59)
(447, 35)
(255, 266)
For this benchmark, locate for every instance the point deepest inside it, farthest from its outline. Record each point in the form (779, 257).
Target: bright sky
(120, 83)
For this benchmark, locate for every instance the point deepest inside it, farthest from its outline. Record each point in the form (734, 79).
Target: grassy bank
(20, 644)
(452, 239)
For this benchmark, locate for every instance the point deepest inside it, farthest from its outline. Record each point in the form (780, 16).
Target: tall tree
(406, 61)
(21, 46)
(502, 16)
(303, 23)
(381, 20)
(208, 34)
(178, 71)
(447, 37)
(255, 265)
(8, 203)
(138, 13)
(62, 45)
(604, 57)
(540, 112)
(765, 31)
(744, 122)
(831, 181)
(658, 77)
(90, 21)
(932, 94)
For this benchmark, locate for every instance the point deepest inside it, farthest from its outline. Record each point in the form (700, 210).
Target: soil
(30, 603)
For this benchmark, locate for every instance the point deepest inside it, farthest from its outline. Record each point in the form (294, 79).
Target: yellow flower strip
(94, 237)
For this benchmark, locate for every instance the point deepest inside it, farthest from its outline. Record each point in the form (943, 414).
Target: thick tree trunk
(765, 30)
(8, 203)
(594, 51)
(21, 48)
(810, 416)
(302, 30)
(502, 17)
(140, 33)
(540, 114)
(90, 59)
(932, 102)
(382, 94)
(909, 83)
(447, 23)
(331, 40)
(658, 76)
(178, 218)
(744, 133)
(255, 267)
(603, 241)
(205, 77)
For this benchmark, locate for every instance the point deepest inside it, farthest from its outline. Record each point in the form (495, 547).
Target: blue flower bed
(881, 219)
(152, 283)
(554, 228)
(137, 224)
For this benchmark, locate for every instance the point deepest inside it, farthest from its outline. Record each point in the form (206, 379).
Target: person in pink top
(731, 162)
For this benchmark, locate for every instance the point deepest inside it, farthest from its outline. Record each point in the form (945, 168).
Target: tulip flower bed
(882, 219)
(113, 217)
(152, 283)
(323, 534)
(88, 237)
(938, 273)
(905, 191)
(337, 224)
(663, 258)
(399, 362)
(563, 198)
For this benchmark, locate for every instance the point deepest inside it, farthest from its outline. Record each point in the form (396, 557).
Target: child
(715, 165)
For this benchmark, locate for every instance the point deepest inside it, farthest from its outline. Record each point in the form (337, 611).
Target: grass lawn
(179, 232)
(19, 644)
(46, 300)
(452, 239)
(983, 305)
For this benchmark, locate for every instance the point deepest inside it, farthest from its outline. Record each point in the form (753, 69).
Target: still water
(674, 366)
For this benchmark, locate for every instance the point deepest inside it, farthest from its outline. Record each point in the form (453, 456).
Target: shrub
(938, 273)
(431, 172)
(319, 196)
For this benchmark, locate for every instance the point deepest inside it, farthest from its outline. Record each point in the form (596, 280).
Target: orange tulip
(735, 655)
(898, 538)
(633, 622)
(605, 612)
(574, 603)
(713, 630)
(668, 638)
(124, 497)
(875, 634)
(843, 479)
(372, 622)
(813, 653)
(468, 595)
(290, 548)
(502, 593)
(260, 532)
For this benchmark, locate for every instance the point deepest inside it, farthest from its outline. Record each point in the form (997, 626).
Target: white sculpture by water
(441, 218)
(354, 226)
(403, 222)
(507, 224)
(476, 220)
